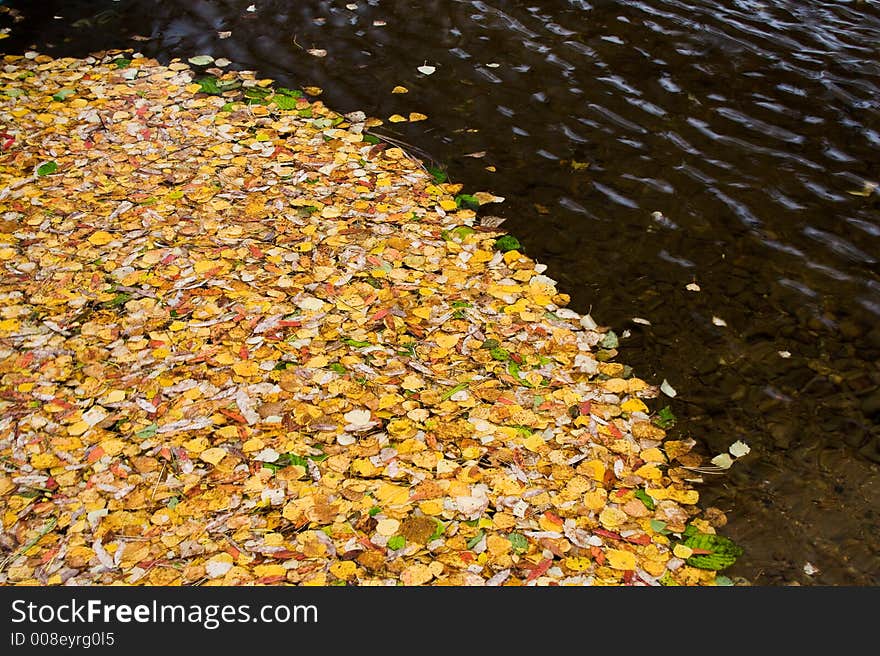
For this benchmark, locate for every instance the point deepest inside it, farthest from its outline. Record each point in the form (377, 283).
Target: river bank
(244, 341)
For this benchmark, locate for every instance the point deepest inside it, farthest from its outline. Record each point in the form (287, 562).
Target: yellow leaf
(100, 238)
(7, 253)
(431, 507)
(225, 358)
(399, 89)
(416, 116)
(416, 574)
(78, 428)
(213, 456)
(246, 368)
(388, 527)
(620, 559)
(389, 494)
(446, 341)
(396, 118)
(633, 405)
(650, 472)
(343, 569)
(577, 564)
(113, 446)
(612, 518)
(534, 442)
(682, 551)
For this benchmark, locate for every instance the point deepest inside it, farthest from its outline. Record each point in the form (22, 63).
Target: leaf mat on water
(240, 344)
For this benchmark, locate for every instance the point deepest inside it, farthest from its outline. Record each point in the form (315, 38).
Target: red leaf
(615, 431)
(607, 534)
(235, 416)
(379, 315)
(585, 407)
(539, 569)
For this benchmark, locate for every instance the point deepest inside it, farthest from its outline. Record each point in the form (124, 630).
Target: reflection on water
(733, 146)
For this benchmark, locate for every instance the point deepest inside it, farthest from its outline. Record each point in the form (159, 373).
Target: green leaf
(499, 354)
(490, 344)
(439, 529)
(13, 93)
(723, 580)
(122, 62)
(284, 102)
(467, 201)
(201, 60)
(228, 107)
(116, 301)
(338, 368)
(507, 243)
(209, 85)
(439, 175)
(646, 499)
(64, 93)
(287, 459)
(610, 340)
(665, 418)
(519, 542)
(723, 551)
(454, 390)
(356, 343)
(460, 232)
(370, 139)
(149, 431)
(474, 541)
(47, 168)
(305, 113)
(172, 502)
(659, 526)
(396, 542)
(375, 510)
(292, 93)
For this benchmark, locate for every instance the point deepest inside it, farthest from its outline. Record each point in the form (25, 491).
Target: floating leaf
(467, 201)
(739, 449)
(610, 340)
(665, 418)
(209, 85)
(713, 552)
(507, 243)
(667, 389)
(722, 460)
(201, 60)
(439, 175)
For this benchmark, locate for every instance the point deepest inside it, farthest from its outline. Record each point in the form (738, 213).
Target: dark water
(731, 144)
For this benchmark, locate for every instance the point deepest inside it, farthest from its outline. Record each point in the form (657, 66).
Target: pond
(702, 177)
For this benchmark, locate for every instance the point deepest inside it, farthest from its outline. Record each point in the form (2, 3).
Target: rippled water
(641, 147)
